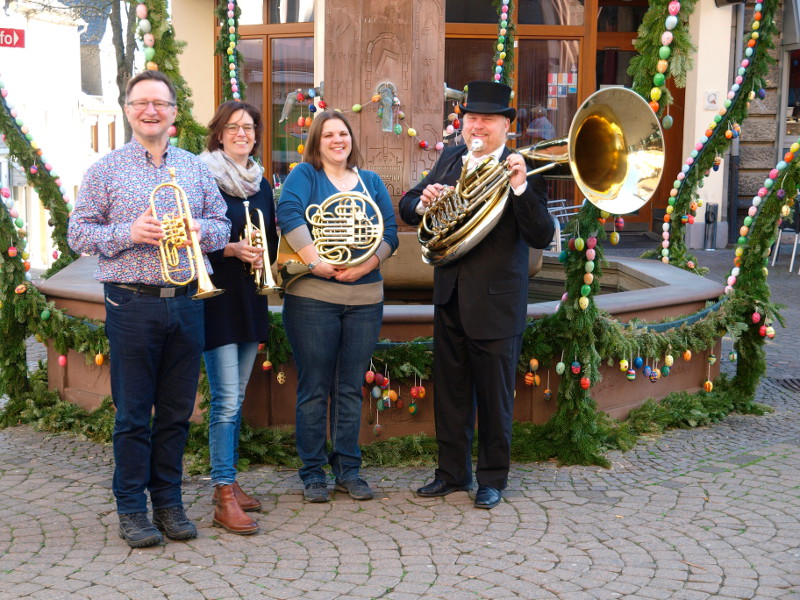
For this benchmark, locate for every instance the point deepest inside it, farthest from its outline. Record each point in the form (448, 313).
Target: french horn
(614, 151)
(179, 236)
(344, 234)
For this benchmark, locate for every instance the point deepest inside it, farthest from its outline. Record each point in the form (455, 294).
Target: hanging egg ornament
(575, 367)
(647, 370)
(415, 392)
(547, 395)
(630, 374)
(654, 375)
(21, 289)
(422, 391)
(12, 251)
(770, 331)
(412, 408)
(756, 317)
(762, 331)
(399, 403)
(377, 429)
(266, 366)
(687, 355)
(708, 386)
(669, 360)
(534, 364)
(560, 368)
(99, 359)
(528, 378)
(585, 383)
(379, 379)
(623, 365)
(369, 376)
(583, 302)
(376, 392)
(62, 361)
(664, 371)
(732, 356)
(281, 377)
(613, 238)
(638, 362)
(712, 358)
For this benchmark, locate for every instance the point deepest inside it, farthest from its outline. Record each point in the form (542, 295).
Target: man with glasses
(155, 329)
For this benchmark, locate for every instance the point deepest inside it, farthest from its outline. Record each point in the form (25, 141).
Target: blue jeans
(155, 348)
(228, 368)
(332, 345)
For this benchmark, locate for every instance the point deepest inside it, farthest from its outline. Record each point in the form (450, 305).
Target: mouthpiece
(476, 145)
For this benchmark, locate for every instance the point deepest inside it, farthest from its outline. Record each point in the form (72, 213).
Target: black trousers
(472, 377)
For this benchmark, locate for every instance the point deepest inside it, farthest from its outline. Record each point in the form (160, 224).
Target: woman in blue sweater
(236, 321)
(332, 316)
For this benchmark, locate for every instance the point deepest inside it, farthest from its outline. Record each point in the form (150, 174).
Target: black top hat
(488, 98)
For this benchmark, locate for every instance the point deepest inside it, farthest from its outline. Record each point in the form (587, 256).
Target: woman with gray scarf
(236, 322)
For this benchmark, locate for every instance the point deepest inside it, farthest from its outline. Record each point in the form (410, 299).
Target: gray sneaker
(174, 522)
(138, 531)
(316, 491)
(357, 488)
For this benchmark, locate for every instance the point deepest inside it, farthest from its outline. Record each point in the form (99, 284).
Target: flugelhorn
(344, 234)
(179, 235)
(256, 236)
(614, 151)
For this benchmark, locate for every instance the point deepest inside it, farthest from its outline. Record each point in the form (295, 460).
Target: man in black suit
(480, 304)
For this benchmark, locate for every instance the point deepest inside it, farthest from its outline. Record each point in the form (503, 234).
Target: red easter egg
(62, 361)
(585, 383)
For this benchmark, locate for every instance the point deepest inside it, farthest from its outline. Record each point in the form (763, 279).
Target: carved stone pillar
(373, 42)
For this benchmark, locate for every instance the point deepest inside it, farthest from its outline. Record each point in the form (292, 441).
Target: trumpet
(256, 236)
(175, 226)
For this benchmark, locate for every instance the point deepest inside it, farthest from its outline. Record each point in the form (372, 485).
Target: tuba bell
(343, 231)
(256, 236)
(178, 236)
(614, 151)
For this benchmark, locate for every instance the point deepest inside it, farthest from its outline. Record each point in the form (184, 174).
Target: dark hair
(151, 75)
(312, 154)
(216, 127)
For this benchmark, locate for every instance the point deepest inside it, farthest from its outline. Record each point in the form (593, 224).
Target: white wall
(44, 87)
(710, 29)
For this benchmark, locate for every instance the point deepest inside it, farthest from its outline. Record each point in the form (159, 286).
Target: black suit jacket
(492, 278)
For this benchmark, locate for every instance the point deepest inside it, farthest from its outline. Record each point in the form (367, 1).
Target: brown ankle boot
(229, 515)
(248, 503)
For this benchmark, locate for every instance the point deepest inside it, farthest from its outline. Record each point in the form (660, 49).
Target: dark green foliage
(191, 135)
(221, 50)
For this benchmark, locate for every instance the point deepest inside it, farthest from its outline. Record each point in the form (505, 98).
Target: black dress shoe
(437, 488)
(487, 497)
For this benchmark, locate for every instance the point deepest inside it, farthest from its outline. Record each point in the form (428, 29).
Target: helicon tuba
(257, 236)
(614, 151)
(175, 226)
(344, 234)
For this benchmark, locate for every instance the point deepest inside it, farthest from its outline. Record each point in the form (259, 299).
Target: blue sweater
(306, 185)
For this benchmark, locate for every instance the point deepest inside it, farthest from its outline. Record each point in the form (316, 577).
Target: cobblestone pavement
(696, 514)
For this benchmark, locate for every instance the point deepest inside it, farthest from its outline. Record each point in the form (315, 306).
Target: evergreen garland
(504, 49)
(191, 135)
(228, 52)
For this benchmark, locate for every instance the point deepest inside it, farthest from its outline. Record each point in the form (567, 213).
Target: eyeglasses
(233, 128)
(157, 104)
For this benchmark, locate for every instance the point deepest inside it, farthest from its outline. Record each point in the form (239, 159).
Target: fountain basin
(645, 289)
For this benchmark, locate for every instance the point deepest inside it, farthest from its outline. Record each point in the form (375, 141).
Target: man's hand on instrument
(517, 170)
(146, 229)
(431, 193)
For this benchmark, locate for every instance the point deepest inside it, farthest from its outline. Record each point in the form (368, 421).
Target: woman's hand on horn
(245, 252)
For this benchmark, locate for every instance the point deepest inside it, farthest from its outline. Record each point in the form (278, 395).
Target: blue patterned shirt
(116, 190)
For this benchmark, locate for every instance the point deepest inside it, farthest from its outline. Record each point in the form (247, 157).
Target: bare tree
(122, 30)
